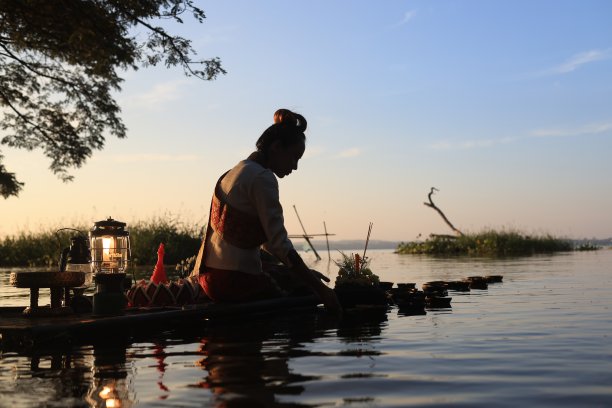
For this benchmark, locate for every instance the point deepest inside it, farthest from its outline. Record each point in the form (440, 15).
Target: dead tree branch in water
(432, 205)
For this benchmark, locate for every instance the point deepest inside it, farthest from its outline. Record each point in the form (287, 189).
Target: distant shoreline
(343, 245)
(357, 244)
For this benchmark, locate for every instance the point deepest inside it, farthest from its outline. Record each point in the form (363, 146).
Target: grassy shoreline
(43, 248)
(487, 243)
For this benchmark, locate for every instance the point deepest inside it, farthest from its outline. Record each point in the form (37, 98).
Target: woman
(246, 216)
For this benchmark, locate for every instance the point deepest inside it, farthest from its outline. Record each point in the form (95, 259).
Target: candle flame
(113, 402)
(106, 245)
(105, 393)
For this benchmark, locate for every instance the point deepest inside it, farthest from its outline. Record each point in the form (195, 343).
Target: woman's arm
(326, 294)
(264, 192)
(264, 195)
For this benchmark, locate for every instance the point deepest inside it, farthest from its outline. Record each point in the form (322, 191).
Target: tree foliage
(60, 62)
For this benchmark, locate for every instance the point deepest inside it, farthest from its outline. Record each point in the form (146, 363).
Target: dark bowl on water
(477, 282)
(434, 286)
(438, 302)
(458, 285)
(406, 286)
(353, 295)
(385, 285)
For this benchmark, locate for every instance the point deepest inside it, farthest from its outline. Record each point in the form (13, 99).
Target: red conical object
(159, 273)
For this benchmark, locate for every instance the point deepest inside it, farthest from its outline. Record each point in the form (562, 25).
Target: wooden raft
(23, 331)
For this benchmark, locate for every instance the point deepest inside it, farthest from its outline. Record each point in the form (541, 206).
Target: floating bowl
(461, 286)
(477, 282)
(438, 302)
(413, 298)
(436, 285)
(406, 286)
(385, 285)
(411, 311)
(352, 295)
(435, 288)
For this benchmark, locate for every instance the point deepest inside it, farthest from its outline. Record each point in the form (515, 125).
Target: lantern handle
(64, 251)
(70, 229)
(67, 229)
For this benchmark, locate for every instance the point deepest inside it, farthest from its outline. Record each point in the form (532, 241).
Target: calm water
(540, 338)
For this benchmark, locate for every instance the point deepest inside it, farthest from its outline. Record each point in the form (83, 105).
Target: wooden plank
(15, 327)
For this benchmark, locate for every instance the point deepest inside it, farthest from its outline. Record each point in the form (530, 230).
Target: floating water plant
(355, 270)
(486, 243)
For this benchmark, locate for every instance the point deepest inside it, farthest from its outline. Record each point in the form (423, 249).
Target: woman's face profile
(283, 160)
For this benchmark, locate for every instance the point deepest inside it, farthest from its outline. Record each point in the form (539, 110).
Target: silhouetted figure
(246, 215)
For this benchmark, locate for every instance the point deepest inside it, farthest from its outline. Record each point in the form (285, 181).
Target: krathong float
(356, 284)
(159, 291)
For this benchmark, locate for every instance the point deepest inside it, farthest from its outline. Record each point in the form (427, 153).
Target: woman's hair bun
(288, 128)
(287, 117)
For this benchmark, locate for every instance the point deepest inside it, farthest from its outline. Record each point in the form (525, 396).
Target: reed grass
(487, 243)
(587, 246)
(42, 249)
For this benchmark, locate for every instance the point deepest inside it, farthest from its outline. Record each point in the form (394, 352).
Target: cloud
(313, 151)
(591, 129)
(580, 59)
(470, 144)
(352, 152)
(408, 15)
(153, 157)
(159, 95)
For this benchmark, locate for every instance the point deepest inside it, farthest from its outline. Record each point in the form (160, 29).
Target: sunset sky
(504, 106)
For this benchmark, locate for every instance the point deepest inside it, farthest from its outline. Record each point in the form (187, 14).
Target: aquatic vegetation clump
(355, 270)
(486, 243)
(587, 246)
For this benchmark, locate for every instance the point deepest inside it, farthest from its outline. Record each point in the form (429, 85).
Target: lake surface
(541, 338)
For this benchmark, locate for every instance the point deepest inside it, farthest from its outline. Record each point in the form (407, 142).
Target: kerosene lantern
(110, 254)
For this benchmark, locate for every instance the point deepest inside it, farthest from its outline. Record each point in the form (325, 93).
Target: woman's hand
(319, 275)
(330, 300)
(315, 280)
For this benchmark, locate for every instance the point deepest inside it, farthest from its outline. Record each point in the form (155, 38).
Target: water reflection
(112, 384)
(93, 376)
(54, 375)
(247, 364)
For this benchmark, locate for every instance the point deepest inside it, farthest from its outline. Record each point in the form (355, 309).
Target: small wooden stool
(57, 282)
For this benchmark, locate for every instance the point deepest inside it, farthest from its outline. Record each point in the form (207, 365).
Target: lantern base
(109, 304)
(109, 298)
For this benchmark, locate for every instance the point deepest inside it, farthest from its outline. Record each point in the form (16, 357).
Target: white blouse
(251, 188)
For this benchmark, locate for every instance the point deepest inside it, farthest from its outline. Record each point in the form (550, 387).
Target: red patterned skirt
(234, 286)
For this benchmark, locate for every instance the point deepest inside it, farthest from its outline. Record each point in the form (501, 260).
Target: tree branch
(28, 66)
(432, 205)
(25, 119)
(185, 62)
